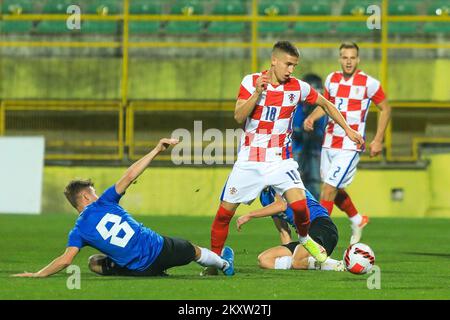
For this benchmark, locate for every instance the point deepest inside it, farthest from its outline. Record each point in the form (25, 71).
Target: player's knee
(95, 263)
(264, 261)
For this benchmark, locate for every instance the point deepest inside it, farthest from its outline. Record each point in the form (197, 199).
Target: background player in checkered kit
(352, 91)
(266, 103)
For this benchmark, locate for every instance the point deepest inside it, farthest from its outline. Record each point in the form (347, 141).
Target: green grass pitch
(412, 254)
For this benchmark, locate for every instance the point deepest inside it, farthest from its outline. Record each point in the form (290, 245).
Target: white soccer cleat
(340, 266)
(357, 230)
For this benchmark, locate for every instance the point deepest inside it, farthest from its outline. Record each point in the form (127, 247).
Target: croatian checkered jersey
(268, 128)
(352, 97)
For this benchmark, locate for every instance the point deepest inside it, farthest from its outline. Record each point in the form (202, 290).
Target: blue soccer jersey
(315, 209)
(106, 226)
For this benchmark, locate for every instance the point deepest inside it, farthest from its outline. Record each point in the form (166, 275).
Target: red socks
(344, 203)
(327, 205)
(219, 229)
(301, 216)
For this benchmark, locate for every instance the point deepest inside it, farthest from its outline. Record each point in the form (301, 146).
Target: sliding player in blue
(128, 248)
(291, 255)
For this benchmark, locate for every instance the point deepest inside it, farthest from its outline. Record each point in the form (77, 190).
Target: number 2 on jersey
(115, 229)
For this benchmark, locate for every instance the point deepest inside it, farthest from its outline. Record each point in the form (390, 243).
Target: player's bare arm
(279, 205)
(334, 113)
(284, 230)
(245, 107)
(308, 123)
(376, 146)
(55, 266)
(136, 169)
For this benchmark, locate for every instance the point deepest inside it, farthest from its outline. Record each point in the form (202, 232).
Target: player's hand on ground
(165, 143)
(308, 124)
(375, 148)
(242, 220)
(24, 275)
(355, 136)
(261, 83)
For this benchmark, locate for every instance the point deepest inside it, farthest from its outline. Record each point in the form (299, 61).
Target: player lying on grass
(291, 255)
(128, 247)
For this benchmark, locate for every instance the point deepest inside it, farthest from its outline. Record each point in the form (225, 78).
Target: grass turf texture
(412, 254)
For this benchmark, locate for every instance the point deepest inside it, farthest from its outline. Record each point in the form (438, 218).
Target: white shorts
(338, 167)
(249, 178)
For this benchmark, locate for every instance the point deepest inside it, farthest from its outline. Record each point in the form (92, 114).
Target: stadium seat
(436, 27)
(313, 8)
(52, 27)
(402, 8)
(356, 8)
(228, 8)
(103, 7)
(187, 8)
(99, 27)
(144, 27)
(16, 7)
(438, 8)
(273, 8)
(354, 28)
(312, 27)
(403, 27)
(231, 7)
(145, 7)
(13, 27)
(56, 7)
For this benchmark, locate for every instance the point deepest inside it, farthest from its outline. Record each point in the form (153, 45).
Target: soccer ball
(359, 258)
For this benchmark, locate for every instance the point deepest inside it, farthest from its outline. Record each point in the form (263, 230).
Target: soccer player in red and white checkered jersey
(352, 91)
(266, 103)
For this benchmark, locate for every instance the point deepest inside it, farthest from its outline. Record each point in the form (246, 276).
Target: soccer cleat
(357, 230)
(228, 256)
(209, 271)
(315, 250)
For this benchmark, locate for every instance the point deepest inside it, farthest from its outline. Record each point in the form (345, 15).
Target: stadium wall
(193, 191)
(94, 78)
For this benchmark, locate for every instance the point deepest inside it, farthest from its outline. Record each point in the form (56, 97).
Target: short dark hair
(73, 189)
(349, 45)
(286, 47)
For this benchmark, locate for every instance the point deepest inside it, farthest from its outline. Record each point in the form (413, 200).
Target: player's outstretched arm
(245, 107)
(136, 169)
(334, 113)
(279, 205)
(308, 123)
(376, 146)
(55, 266)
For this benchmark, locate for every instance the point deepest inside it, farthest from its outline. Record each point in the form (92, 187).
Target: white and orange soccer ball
(359, 258)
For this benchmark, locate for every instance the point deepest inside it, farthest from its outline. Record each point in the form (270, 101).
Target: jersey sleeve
(247, 88)
(326, 87)
(375, 91)
(110, 195)
(75, 239)
(309, 95)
